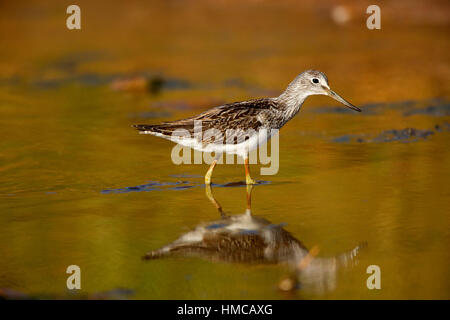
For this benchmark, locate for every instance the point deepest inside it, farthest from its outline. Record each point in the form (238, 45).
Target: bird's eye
(315, 80)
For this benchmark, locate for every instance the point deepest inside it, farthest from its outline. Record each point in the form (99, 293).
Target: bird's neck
(290, 102)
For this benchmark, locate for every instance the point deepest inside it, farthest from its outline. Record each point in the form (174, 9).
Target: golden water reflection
(68, 155)
(246, 238)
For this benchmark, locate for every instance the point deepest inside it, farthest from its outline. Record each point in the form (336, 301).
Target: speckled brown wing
(239, 116)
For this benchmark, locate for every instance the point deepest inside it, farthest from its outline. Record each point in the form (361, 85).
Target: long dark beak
(337, 97)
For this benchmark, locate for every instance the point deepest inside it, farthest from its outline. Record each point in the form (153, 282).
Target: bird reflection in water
(251, 239)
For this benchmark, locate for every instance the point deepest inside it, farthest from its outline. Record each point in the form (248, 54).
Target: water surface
(80, 186)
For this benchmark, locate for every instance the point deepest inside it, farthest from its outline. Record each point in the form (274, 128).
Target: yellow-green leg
(209, 172)
(249, 198)
(214, 201)
(248, 179)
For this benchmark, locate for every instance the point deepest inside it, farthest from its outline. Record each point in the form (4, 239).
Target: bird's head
(313, 82)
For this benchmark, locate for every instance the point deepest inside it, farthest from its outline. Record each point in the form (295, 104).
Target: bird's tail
(154, 129)
(146, 127)
(165, 129)
(156, 254)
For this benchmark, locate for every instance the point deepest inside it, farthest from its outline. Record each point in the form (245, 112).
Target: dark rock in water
(343, 139)
(442, 127)
(142, 81)
(152, 186)
(145, 82)
(404, 134)
(368, 109)
(157, 84)
(402, 104)
(433, 107)
(341, 110)
(176, 185)
(434, 110)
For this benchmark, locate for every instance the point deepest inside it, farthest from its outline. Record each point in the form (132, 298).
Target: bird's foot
(249, 180)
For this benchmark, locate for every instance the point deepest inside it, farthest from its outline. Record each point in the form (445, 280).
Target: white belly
(241, 149)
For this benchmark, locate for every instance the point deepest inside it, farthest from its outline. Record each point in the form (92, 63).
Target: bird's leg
(249, 199)
(248, 179)
(214, 201)
(211, 169)
(209, 173)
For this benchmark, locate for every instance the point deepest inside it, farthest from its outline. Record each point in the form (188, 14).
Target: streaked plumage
(245, 115)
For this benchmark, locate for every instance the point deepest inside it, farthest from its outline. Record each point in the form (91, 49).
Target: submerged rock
(152, 84)
(436, 110)
(432, 107)
(403, 135)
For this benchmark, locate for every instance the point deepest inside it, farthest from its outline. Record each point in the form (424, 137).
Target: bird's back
(244, 115)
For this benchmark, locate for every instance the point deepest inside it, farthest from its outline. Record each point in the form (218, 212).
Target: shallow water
(80, 186)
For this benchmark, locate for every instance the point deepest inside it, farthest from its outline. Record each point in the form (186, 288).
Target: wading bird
(251, 122)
